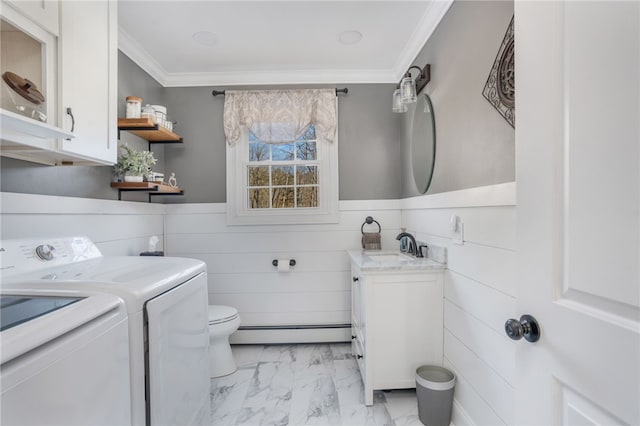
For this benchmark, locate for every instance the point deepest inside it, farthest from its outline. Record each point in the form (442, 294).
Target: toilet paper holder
(292, 262)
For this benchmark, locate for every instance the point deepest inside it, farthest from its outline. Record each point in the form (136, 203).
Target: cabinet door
(88, 78)
(178, 377)
(42, 12)
(355, 297)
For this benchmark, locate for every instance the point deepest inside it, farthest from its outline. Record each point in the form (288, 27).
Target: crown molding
(130, 47)
(428, 24)
(265, 78)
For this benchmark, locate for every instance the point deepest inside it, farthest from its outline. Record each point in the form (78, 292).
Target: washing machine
(167, 306)
(64, 359)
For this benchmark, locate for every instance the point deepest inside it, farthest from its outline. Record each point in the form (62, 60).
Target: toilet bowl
(223, 321)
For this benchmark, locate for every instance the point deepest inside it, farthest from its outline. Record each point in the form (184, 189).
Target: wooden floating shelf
(152, 187)
(147, 129)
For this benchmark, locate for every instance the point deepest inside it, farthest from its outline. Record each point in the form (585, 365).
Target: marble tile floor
(303, 384)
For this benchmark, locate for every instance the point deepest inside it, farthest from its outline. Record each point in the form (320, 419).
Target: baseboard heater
(295, 333)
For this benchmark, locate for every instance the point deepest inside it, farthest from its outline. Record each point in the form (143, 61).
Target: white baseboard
(320, 335)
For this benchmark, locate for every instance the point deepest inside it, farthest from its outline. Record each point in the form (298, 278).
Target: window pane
(283, 152)
(258, 151)
(258, 175)
(306, 150)
(282, 175)
(282, 198)
(310, 134)
(307, 175)
(259, 198)
(308, 196)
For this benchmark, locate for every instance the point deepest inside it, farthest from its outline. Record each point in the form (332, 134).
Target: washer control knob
(45, 251)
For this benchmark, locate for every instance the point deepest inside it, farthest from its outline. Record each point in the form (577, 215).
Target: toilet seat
(219, 314)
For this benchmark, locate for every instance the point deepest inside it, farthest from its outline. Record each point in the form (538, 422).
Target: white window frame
(238, 211)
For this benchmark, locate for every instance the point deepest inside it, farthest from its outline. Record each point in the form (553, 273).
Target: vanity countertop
(391, 261)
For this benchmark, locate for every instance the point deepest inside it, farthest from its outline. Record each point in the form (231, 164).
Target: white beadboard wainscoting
(480, 294)
(119, 228)
(315, 292)
(480, 291)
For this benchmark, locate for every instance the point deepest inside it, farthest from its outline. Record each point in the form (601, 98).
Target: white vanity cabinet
(397, 324)
(88, 47)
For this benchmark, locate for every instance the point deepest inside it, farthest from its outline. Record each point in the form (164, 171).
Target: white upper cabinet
(69, 50)
(41, 12)
(29, 51)
(88, 78)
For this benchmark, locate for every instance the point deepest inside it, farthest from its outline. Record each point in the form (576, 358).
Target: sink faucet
(413, 246)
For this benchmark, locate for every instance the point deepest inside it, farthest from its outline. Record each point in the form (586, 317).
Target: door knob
(527, 327)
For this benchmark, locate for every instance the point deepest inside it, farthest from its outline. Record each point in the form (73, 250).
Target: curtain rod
(221, 92)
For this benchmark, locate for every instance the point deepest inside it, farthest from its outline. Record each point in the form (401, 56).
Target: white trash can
(434, 388)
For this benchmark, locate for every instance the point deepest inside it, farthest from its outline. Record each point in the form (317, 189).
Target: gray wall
(68, 181)
(475, 145)
(369, 153)
(80, 181)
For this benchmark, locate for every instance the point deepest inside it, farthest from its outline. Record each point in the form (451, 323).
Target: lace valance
(280, 116)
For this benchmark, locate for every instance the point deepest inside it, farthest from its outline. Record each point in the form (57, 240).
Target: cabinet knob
(355, 279)
(359, 356)
(353, 337)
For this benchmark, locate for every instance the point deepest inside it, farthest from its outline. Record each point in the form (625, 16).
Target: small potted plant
(133, 165)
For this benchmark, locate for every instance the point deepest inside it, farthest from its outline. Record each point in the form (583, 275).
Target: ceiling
(211, 43)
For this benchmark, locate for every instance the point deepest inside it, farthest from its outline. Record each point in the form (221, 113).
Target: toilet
(223, 321)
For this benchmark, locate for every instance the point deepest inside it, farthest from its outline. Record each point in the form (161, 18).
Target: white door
(577, 160)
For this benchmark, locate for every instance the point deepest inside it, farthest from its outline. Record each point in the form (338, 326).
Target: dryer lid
(220, 313)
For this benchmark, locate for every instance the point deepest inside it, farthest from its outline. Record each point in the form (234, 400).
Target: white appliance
(166, 300)
(64, 359)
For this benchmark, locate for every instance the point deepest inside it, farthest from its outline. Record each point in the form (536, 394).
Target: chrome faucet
(413, 246)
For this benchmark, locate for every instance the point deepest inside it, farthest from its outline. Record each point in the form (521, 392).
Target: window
(282, 156)
(283, 176)
(294, 182)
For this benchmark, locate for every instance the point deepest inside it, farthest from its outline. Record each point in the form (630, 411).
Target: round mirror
(423, 143)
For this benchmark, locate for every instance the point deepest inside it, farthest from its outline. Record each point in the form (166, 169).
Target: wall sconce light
(398, 105)
(408, 88)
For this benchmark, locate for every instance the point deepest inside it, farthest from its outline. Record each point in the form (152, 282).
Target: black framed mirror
(423, 143)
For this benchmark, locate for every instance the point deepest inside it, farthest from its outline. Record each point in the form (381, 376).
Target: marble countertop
(386, 263)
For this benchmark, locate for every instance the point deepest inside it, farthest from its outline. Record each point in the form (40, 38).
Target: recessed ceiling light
(349, 37)
(206, 38)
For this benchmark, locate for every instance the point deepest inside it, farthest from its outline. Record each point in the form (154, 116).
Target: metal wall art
(500, 87)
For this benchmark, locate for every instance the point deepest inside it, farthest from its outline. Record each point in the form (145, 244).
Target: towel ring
(369, 220)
